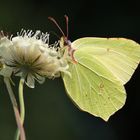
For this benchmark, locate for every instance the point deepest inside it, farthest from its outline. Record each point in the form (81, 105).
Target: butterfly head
(64, 41)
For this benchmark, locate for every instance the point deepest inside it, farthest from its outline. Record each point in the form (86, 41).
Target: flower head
(29, 55)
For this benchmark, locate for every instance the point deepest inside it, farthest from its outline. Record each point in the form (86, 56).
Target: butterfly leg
(71, 53)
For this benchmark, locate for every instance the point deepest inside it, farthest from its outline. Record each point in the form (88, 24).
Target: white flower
(29, 55)
(4, 45)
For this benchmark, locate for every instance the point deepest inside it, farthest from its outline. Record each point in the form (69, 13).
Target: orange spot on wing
(101, 88)
(108, 49)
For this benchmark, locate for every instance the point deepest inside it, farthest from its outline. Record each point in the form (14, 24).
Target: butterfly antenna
(67, 26)
(54, 21)
(52, 32)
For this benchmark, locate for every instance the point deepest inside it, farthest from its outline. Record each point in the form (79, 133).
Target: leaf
(97, 80)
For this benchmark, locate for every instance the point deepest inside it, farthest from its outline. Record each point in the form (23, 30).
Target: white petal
(40, 79)
(6, 71)
(4, 46)
(30, 81)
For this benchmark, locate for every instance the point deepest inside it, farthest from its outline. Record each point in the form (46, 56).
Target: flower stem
(22, 106)
(15, 108)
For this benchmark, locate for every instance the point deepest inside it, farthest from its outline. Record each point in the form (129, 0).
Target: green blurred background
(50, 114)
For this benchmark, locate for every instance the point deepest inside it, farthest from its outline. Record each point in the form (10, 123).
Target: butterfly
(99, 70)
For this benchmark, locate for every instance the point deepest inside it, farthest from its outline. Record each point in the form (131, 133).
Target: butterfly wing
(104, 66)
(120, 56)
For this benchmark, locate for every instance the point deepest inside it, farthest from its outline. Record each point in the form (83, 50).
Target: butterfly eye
(66, 41)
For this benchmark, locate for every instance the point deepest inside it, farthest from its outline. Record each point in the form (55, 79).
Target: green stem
(21, 99)
(22, 106)
(15, 108)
